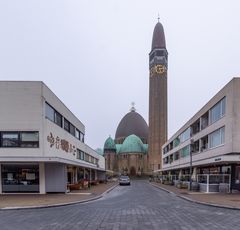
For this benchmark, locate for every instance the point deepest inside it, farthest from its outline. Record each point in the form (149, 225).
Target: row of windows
(17, 139)
(86, 157)
(213, 115)
(61, 121)
(214, 139)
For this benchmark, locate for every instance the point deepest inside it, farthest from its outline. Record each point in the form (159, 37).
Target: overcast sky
(94, 54)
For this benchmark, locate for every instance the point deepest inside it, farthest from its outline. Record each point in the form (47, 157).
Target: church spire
(158, 39)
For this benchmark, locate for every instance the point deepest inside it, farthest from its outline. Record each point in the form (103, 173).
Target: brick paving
(228, 199)
(137, 207)
(23, 200)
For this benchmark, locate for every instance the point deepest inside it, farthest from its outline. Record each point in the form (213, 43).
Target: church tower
(158, 66)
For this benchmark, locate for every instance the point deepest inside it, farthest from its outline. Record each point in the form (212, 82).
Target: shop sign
(218, 159)
(62, 144)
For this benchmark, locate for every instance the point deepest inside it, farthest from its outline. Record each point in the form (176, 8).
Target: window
(66, 125)
(185, 151)
(184, 135)
(204, 120)
(72, 129)
(92, 159)
(176, 142)
(204, 143)
(29, 139)
(77, 134)
(86, 157)
(58, 119)
(176, 156)
(81, 137)
(20, 139)
(217, 111)
(53, 115)
(49, 112)
(165, 150)
(82, 157)
(152, 56)
(216, 138)
(159, 53)
(195, 147)
(10, 139)
(195, 127)
(165, 160)
(80, 154)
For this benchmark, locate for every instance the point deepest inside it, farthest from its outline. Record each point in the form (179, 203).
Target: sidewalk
(216, 199)
(40, 200)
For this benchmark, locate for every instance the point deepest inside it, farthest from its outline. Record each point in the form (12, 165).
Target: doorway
(132, 171)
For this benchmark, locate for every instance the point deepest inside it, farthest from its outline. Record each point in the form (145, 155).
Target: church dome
(132, 144)
(132, 123)
(109, 144)
(158, 39)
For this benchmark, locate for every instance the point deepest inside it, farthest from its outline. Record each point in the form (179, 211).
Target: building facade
(210, 140)
(127, 153)
(158, 66)
(42, 145)
(141, 153)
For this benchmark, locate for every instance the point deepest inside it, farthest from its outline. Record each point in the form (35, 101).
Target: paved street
(139, 206)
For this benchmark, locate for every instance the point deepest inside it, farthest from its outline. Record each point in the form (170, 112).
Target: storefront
(20, 178)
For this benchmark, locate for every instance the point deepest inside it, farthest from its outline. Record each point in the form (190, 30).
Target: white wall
(23, 109)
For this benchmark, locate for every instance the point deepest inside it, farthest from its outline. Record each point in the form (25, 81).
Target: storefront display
(20, 178)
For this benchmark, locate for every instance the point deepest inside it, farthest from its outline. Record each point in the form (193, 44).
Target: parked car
(124, 180)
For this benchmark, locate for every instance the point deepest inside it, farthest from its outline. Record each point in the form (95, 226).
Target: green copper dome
(99, 151)
(118, 148)
(109, 144)
(132, 144)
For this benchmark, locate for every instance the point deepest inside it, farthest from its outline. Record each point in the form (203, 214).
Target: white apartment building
(211, 137)
(42, 145)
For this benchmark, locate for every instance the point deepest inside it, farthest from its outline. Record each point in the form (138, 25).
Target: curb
(61, 204)
(195, 201)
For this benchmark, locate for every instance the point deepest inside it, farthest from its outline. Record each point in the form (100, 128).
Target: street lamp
(191, 151)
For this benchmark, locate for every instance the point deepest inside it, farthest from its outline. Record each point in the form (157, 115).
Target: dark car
(124, 180)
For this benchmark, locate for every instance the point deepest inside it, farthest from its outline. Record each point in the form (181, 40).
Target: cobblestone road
(139, 206)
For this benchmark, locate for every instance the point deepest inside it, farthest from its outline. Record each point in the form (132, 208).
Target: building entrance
(20, 178)
(236, 177)
(132, 171)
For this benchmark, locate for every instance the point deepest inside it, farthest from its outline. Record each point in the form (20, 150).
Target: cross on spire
(132, 107)
(158, 17)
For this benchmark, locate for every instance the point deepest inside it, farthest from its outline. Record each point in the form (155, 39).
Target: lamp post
(191, 151)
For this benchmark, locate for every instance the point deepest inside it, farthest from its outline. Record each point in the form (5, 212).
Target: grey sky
(94, 54)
